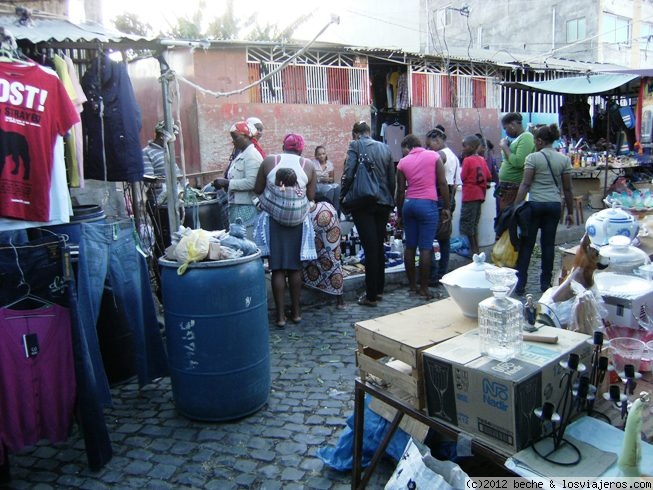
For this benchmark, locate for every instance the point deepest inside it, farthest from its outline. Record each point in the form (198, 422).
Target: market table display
(400, 335)
(403, 336)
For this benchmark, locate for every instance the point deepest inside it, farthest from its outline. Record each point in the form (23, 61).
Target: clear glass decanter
(500, 318)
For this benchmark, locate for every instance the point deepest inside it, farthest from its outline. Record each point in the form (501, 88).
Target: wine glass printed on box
(439, 379)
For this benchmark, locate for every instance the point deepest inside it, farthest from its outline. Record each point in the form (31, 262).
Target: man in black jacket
(371, 220)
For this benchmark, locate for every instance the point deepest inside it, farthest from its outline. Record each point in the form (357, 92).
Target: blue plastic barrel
(216, 325)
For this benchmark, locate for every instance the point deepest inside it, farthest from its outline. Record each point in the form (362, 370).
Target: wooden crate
(403, 336)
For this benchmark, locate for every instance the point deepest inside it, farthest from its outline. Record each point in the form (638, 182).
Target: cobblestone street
(313, 369)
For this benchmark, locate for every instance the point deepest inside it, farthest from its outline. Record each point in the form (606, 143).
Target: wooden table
(360, 479)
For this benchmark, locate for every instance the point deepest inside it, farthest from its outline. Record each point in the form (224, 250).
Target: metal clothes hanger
(28, 294)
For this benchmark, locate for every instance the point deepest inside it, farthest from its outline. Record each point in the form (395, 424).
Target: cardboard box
(623, 301)
(403, 336)
(495, 400)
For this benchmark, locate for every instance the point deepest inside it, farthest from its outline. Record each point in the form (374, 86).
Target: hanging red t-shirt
(34, 109)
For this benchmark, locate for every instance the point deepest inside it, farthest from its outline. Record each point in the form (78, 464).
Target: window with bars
(315, 78)
(441, 90)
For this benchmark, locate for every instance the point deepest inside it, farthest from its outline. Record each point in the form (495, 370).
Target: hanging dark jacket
(515, 219)
(107, 82)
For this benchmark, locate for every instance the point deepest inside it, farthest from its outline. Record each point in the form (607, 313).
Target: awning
(586, 85)
(41, 29)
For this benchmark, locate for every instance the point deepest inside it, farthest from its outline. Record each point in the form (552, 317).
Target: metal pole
(169, 155)
(607, 137)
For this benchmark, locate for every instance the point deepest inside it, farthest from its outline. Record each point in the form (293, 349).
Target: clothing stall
(55, 265)
(390, 104)
(605, 129)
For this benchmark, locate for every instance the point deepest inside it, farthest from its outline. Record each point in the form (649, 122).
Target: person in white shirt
(436, 139)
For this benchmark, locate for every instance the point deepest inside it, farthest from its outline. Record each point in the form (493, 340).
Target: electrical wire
(379, 19)
(453, 95)
(469, 46)
(580, 41)
(334, 20)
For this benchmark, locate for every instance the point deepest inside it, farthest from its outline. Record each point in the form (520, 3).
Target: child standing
(475, 177)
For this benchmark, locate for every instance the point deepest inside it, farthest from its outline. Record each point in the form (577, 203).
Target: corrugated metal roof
(43, 29)
(501, 58)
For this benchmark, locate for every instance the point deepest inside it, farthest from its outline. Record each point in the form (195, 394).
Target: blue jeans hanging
(107, 251)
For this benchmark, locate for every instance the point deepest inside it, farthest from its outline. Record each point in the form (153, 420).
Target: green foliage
(223, 27)
(129, 23)
(272, 32)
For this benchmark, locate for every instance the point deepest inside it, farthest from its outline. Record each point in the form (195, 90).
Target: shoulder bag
(364, 188)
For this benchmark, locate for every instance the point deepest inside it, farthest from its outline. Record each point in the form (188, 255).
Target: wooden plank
(403, 334)
(388, 346)
(394, 378)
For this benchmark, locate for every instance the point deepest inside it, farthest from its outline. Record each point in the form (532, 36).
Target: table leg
(359, 414)
(381, 449)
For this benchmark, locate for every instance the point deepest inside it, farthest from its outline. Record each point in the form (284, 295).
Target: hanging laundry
(112, 147)
(61, 208)
(34, 108)
(402, 92)
(77, 127)
(393, 134)
(37, 376)
(69, 149)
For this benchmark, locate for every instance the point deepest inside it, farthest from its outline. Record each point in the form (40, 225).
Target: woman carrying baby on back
(285, 238)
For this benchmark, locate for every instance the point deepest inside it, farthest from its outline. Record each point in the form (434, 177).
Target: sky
(378, 23)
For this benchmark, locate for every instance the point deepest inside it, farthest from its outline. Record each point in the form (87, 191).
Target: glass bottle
(500, 318)
(436, 250)
(530, 314)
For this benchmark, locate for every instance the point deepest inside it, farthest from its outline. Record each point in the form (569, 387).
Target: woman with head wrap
(259, 133)
(285, 242)
(241, 176)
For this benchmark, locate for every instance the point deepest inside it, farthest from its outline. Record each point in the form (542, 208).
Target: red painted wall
(457, 124)
(325, 125)
(206, 118)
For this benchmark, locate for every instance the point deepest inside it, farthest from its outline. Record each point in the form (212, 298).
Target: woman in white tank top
(285, 241)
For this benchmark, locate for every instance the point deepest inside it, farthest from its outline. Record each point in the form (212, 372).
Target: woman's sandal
(295, 319)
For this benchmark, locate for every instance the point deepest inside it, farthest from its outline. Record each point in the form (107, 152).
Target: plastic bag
(236, 239)
(587, 310)
(418, 469)
(193, 247)
(503, 253)
(583, 312)
(341, 457)
(460, 245)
